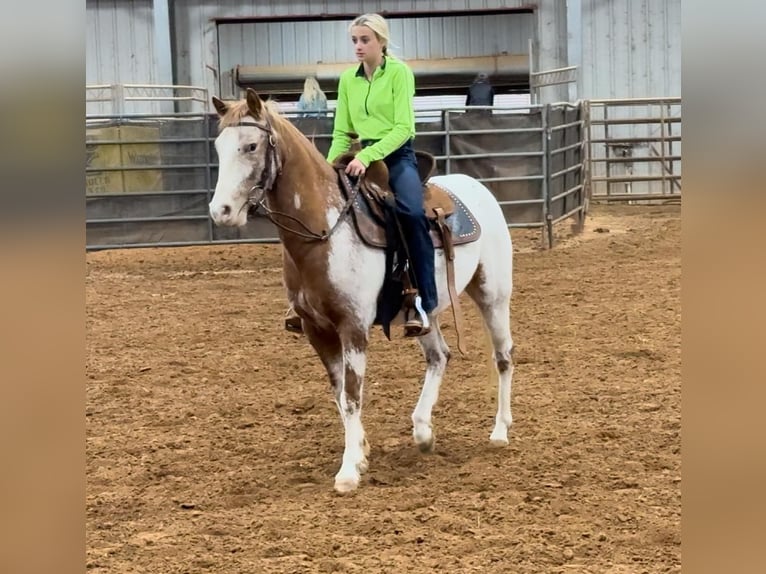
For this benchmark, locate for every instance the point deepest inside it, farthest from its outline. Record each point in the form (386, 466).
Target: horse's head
(248, 160)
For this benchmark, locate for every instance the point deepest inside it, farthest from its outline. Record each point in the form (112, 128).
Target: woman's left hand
(355, 168)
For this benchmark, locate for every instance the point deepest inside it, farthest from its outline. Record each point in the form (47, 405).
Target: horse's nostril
(226, 210)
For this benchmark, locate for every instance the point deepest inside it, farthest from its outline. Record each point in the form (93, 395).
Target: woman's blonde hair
(377, 24)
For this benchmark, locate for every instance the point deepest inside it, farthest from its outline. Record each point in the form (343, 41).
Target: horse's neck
(306, 189)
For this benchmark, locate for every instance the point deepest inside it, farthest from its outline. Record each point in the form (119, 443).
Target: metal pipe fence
(150, 177)
(634, 148)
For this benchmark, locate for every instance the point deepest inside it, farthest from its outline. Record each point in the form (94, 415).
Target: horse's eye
(251, 147)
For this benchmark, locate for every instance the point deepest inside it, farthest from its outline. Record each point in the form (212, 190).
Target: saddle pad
(462, 223)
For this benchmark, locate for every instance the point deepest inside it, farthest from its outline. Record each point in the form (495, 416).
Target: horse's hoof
(425, 440)
(346, 484)
(499, 437)
(498, 440)
(427, 447)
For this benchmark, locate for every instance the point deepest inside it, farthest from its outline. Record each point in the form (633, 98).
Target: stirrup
(293, 322)
(418, 325)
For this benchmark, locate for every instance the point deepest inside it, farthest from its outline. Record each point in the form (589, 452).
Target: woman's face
(367, 47)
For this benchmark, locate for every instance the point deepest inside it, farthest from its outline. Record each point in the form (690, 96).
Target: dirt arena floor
(212, 437)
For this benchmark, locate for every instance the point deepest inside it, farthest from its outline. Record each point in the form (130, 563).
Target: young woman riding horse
(375, 100)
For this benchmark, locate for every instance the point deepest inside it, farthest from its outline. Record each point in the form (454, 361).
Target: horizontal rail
(146, 116)
(519, 178)
(495, 131)
(637, 140)
(520, 201)
(99, 247)
(492, 154)
(635, 178)
(148, 219)
(93, 142)
(134, 194)
(633, 101)
(158, 167)
(637, 197)
(630, 121)
(533, 225)
(638, 159)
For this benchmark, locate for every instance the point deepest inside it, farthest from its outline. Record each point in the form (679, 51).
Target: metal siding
(119, 46)
(631, 48)
(196, 43)
(120, 42)
(327, 41)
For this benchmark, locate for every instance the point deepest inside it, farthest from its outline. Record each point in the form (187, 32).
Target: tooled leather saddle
(374, 190)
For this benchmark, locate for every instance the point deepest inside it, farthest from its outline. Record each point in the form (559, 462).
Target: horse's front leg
(354, 343)
(345, 362)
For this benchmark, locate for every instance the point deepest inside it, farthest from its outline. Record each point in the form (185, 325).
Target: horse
(333, 279)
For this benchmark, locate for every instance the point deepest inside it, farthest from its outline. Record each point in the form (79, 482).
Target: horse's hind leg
(436, 353)
(494, 306)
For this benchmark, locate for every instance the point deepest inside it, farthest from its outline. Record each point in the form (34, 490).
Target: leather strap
(449, 256)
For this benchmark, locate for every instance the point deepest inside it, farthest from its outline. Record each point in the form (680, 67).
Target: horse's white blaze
(227, 206)
(297, 200)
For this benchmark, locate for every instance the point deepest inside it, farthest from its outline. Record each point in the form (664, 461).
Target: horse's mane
(238, 110)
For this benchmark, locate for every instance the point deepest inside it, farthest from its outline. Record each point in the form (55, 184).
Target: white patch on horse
(355, 270)
(354, 460)
(357, 361)
(297, 201)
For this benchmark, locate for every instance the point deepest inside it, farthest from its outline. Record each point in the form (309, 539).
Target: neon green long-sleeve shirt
(380, 109)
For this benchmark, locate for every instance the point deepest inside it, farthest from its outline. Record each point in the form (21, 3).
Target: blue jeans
(405, 182)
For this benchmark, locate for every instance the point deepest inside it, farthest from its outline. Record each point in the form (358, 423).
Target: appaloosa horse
(333, 278)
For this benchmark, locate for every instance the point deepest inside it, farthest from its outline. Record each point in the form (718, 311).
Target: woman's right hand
(355, 168)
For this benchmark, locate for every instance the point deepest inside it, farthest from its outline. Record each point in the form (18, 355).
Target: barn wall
(444, 51)
(625, 48)
(631, 48)
(119, 42)
(203, 54)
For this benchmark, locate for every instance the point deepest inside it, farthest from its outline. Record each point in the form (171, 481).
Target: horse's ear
(254, 103)
(220, 106)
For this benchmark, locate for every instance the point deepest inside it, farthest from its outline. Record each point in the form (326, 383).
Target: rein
(257, 194)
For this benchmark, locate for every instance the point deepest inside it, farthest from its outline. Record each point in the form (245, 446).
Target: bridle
(256, 196)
